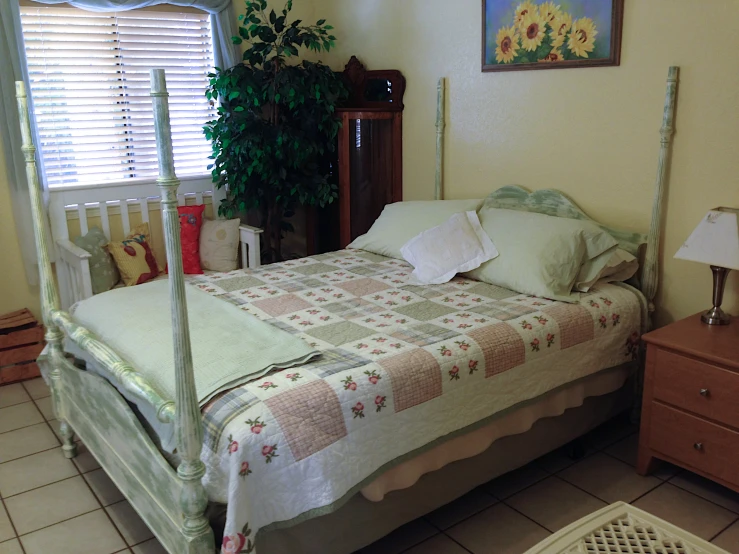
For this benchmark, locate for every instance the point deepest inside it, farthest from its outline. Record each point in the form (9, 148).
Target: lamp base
(716, 316)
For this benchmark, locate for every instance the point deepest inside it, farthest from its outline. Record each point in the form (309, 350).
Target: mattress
(403, 369)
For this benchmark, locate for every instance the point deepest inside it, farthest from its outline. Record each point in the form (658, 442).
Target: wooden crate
(21, 341)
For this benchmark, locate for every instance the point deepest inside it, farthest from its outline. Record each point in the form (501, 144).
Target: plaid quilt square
(223, 410)
(424, 334)
(297, 285)
(336, 360)
(502, 346)
(503, 311)
(353, 309)
(415, 376)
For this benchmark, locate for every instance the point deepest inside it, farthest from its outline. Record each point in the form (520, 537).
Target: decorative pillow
(191, 220)
(134, 257)
(402, 221)
(457, 245)
(103, 272)
(540, 255)
(219, 244)
(613, 265)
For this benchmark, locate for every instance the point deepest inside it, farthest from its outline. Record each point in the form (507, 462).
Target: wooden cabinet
(690, 411)
(369, 161)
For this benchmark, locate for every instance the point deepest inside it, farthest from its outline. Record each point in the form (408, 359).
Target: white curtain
(14, 68)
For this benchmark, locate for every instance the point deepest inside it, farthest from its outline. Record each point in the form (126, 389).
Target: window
(89, 77)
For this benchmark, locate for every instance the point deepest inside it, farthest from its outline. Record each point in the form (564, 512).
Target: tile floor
(50, 504)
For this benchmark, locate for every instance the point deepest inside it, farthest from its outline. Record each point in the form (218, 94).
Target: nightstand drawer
(701, 444)
(697, 387)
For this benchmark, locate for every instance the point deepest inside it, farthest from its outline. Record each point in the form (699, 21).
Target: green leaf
(233, 94)
(239, 109)
(320, 22)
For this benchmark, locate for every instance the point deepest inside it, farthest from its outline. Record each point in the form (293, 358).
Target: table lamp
(715, 242)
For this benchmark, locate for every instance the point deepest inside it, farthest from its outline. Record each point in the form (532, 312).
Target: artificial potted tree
(277, 126)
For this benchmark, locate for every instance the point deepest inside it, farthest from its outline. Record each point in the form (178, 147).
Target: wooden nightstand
(690, 412)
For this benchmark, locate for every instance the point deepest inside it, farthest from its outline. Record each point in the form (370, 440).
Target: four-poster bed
(173, 502)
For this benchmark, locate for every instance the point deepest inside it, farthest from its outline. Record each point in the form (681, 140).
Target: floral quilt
(402, 366)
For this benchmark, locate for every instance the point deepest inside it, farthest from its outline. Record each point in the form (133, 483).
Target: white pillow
(459, 244)
(402, 221)
(611, 266)
(219, 244)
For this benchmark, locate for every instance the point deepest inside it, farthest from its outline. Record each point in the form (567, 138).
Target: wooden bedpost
(49, 293)
(650, 275)
(188, 420)
(440, 128)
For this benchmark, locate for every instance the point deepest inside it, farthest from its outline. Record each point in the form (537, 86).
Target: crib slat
(198, 198)
(144, 203)
(104, 219)
(125, 217)
(82, 211)
(181, 200)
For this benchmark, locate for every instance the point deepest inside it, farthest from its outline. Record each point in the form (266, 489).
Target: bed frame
(173, 503)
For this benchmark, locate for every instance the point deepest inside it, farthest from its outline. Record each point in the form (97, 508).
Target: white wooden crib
(84, 203)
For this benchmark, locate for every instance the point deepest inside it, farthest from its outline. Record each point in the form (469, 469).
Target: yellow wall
(592, 133)
(15, 292)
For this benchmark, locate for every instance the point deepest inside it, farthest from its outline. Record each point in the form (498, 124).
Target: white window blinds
(89, 77)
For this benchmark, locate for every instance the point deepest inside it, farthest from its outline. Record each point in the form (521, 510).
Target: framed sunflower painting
(534, 34)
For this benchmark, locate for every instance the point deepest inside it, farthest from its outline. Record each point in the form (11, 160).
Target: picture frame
(520, 35)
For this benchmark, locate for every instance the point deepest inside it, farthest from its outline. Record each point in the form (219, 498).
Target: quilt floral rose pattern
(402, 366)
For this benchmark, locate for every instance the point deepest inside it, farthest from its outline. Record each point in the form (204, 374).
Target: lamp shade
(715, 241)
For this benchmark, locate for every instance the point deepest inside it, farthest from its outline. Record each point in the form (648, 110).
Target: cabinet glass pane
(370, 167)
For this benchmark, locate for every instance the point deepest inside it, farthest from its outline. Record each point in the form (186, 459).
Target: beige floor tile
(34, 471)
(707, 489)
(50, 504)
(554, 503)
(6, 529)
(625, 450)
(149, 547)
(103, 487)
(686, 510)
(46, 408)
(402, 539)
(515, 481)
(131, 526)
(471, 503)
(729, 539)
(28, 440)
(84, 460)
(18, 416)
(609, 479)
(498, 530)
(611, 432)
(37, 388)
(666, 471)
(10, 547)
(440, 544)
(11, 395)
(87, 534)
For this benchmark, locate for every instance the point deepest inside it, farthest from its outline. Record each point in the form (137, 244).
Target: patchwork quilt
(402, 368)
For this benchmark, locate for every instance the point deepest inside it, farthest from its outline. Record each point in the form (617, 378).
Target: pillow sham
(103, 272)
(613, 265)
(457, 245)
(402, 221)
(219, 244)
(540, 254)
(134, 257)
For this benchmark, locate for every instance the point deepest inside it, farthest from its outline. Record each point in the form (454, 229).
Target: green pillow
(103, 272)
(540, 254)
(400, 222)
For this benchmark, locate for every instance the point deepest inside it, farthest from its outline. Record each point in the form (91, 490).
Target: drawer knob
(705, 392)
(698, 446)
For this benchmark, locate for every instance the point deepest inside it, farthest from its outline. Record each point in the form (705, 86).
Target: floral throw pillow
(135, 257)
(103, 272)
(191, 220)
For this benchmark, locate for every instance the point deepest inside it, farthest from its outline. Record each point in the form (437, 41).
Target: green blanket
(230, 347)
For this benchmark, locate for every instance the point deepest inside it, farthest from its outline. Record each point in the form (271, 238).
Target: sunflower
(533, 31)
(561, 25)
(522, 10)
(506, 44)
(554, 56)
(550, 11)
(582, 37)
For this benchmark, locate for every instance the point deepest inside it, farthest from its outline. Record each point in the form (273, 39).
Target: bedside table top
(719, 344)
